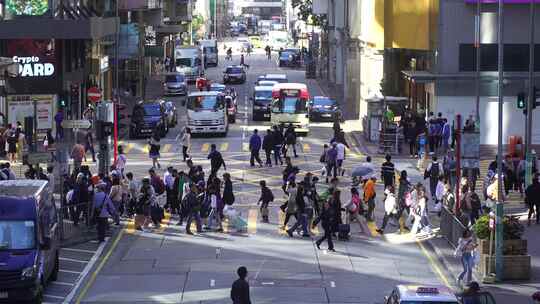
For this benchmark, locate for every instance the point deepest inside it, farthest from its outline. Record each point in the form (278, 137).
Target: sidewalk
(507, 292)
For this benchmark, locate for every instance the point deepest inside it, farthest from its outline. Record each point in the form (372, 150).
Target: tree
(305, 12)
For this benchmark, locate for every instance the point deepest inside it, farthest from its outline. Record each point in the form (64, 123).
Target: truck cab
(207, 113)
(209, 48)
(188, 61)
(29, 240)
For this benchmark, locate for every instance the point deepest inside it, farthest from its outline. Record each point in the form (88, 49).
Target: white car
(403, 294)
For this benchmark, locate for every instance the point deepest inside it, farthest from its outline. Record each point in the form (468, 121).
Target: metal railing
(451, 227)
(76, 222)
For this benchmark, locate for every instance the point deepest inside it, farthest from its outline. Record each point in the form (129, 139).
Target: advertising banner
(38, 66)
(21, 106)
(470, 150)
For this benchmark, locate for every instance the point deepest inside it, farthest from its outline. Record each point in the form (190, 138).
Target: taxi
(414, 294)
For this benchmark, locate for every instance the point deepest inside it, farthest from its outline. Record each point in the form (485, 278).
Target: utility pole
(499, 205)
(530, 100)
(116, 98)
(478, 57)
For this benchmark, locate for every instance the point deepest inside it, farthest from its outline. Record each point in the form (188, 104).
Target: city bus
(290, 106)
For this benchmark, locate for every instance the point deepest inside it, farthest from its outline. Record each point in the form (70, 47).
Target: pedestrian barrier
(76, 222)
(451, 227)
(390, 139)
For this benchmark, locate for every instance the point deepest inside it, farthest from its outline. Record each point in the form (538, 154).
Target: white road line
(74, 260)
(52, 296)
(85, 271)
(332, 284)
(78, 250)
(69, 271)
(267, 283)
(212, 283)
(62, 283)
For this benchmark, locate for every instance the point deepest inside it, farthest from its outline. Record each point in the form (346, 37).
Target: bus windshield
(204, 103)
(289, 105)
(184, 62)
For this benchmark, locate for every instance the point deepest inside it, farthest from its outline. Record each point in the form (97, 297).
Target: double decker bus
(290, 106)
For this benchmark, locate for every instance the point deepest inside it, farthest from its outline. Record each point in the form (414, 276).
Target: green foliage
(305, 12)
(512, 228)
(27, 7)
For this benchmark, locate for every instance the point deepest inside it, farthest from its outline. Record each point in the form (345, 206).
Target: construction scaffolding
(390, 138)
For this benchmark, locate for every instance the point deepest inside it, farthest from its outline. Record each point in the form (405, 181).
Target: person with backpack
(403, 195)
(331, 161)
(156, 182)
(354, 209)
(268, 146)
(103, 209)
(432, 172)
(266, 197)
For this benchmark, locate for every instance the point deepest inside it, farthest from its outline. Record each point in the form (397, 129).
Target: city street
(168, 266)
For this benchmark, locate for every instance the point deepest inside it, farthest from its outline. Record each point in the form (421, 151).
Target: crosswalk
(255, 226)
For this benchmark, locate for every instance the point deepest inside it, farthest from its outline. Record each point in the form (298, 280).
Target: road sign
(94, 94)
(38, 158)
(76, 124)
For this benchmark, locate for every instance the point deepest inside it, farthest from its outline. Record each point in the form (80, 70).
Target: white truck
(278, 39)
(207, 113)
(188, 61)
(209, 48)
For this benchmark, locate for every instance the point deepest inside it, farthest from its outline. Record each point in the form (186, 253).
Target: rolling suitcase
(343, 232)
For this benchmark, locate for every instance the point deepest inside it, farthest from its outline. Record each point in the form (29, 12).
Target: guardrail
(451, 227)
(76, 222)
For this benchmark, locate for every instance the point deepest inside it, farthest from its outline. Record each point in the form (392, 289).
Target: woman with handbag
(355, 209)
(465, 249)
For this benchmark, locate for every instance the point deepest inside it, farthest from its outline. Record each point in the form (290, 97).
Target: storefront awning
(429, 77)
(43, 28)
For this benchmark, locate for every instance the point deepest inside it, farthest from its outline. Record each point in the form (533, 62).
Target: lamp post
(499, 205)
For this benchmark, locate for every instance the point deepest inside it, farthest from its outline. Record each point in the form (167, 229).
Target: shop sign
(21, 106)
(32, 67)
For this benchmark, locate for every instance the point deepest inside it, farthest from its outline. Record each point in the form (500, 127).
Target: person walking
(290, 141)
(268, 146)
(153, 152)
(240, 287)
(216, 160)
(77, 154)
(390, 208)
(193, 209)
(147, 196)
(354, 209)
(228, 193)
(331, 161)
(171, 190)
(266, 197)
(464, 250)
(268, 52)
(432, 172)
(255, 144)
(291, 208)
(186, 143)
(403, 200)
(116, 194)
(340, 158)
(532, 199)
(103, 209)
(89, 145)
(327, 217)
(301, 216)
(214, 217)
(388, 172)
(286, 173)
(419, 209)
(278, 142)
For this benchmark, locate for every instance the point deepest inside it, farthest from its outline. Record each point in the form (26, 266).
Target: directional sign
(39, 158)
(76, 124)
(94, 94)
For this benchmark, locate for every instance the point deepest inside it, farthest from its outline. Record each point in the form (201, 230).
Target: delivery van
(29, 240)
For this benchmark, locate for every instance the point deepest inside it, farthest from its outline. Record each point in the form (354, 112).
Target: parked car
(148, 116)
(171, 115)
(289, 57)
(175, 84)
(234, 73)
(218, 87)
(322, 108)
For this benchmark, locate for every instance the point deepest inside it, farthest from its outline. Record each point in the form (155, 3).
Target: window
(199, 103)
(174, 78)
(17, 235)
(152, 110)
(516, 57)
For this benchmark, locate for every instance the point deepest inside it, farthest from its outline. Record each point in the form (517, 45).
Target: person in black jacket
(532, 198)
(301, 216)
(268, 146)
(278, 142)
(266, 197)
(216, 160)
(240, 288)
(328, 220)
(228, 194)
(290, 141)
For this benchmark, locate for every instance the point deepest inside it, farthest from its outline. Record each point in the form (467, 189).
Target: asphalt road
(168, 266)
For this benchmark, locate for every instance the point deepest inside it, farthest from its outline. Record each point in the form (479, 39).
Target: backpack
(160, 186)
(475, 202)
(290, 139)
(434, 171)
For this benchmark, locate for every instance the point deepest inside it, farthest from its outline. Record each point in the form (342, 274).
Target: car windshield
(17, 235)
(210, 49)
(233, 70)
(263, 95)
(152, 110)
(323, 102)
(200, 103)
(218, 88)
(184, 62)
(174, 78)
(286, 54)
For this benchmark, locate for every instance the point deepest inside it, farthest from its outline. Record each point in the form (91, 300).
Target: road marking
(306, 148)
(205, 147)
(78, 250)
(73, 260)
(128, 148)
(245, 147)
(146, 148)
(252, 220)
(224, 147)
(372, 228)
(52, 296)
(69, 271)
(212, 283)
(85, 272)
(167, 148)
(434, 265)
(164, 223)
(62, 283)
(332, 284)
(95, 273)
(267, 283)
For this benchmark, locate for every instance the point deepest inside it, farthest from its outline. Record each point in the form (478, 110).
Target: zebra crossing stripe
(167, 148)
(224, 146)
(205, 147)
(252, 220)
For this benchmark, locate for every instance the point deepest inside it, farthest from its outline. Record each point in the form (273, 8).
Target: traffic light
(521, 101)
(104, 129)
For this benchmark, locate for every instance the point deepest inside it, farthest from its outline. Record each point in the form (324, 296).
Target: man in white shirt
(439, 193)
(340, 157)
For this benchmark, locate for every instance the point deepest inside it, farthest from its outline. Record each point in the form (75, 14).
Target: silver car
(175, 84)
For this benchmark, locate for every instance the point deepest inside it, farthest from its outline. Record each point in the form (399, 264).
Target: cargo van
(29, 240)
